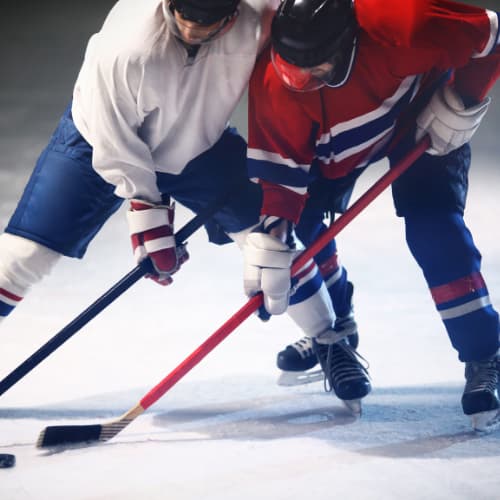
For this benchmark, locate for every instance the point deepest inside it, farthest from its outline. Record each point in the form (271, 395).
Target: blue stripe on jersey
(276, 173)
(364, 133)
(5, 308)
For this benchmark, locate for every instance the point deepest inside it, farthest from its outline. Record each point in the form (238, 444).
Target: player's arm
(279, 158)
(114, 87)
(448, 34)
(465, 39)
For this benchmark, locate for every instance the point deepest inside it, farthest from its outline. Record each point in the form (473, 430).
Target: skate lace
(482, 375)
(304, 347)
(342, 363)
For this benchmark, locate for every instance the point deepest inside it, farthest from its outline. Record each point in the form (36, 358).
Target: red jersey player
(345, 84)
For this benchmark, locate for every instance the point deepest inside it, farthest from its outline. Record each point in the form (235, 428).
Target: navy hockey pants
(65, 202)
(431, 197)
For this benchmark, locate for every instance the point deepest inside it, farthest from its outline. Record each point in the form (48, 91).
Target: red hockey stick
(69, 434)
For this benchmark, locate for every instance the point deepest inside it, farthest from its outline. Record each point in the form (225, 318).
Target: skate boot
(480, 398)
(297, 358)
(295, 361)
(343, 373)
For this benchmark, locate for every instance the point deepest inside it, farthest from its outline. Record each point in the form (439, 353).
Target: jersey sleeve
(106, 97)
(280, 151)
(461, 37)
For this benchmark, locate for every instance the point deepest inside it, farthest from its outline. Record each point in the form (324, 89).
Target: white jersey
(145, 106)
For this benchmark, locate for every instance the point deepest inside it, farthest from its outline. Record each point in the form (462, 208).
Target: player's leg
(222, 168)
(63, 206)
(327, 196)
(344, 370)
(431, 198)
(299, 356)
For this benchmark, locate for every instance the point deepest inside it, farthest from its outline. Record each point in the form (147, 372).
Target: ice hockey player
(345, 84)
(148, 123)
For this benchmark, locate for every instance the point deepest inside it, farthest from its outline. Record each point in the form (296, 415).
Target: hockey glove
(448, 122)
(268, 256)
(152, 233)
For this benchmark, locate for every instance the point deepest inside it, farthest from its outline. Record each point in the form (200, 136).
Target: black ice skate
(295, 361)
(480, 398)
(343, 372)
(298, 359)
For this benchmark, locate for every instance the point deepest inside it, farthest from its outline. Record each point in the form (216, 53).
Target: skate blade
(353, 405)
(486, 421)
(289, 379)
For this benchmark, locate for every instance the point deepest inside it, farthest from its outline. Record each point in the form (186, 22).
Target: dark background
(41, 48)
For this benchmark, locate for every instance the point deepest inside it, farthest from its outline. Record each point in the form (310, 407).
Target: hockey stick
(71, 434)
(107, 298)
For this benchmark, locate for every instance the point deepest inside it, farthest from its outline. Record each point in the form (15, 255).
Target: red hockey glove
(152, 233)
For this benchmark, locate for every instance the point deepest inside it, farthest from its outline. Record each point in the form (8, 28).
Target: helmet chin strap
(347, 68)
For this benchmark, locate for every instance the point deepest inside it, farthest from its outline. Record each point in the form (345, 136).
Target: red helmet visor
(296, 78)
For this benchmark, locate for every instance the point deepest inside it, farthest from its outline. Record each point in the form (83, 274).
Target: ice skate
(297, 360)
(480, 398)
(344, 374)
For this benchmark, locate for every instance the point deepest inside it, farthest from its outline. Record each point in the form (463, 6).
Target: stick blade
(57, 435)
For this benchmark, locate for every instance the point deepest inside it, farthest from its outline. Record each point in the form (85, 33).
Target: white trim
(164, 243)
(142, 220)
(261, 155)
(493, 39)
(357, 149)
(8, 300)
(473, 305)
(383, 109)
(298, 190)
(307, 277)
(334, 278)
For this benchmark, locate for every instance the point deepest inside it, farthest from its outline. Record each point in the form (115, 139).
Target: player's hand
(448, 122)
(268, 254)
(151, 229)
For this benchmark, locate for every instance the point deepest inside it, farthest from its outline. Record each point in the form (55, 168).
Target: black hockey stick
(57, 435)
(107, 298)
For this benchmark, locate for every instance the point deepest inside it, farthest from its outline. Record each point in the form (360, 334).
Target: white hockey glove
(152, 233)
(267, 263)
(448, 122)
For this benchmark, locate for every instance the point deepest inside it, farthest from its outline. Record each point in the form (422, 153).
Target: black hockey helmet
(311, 33)
(205, 12)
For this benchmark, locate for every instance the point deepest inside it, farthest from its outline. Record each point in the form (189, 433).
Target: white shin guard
(315, 314)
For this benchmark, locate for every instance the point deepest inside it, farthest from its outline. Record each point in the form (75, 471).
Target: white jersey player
(148, 123)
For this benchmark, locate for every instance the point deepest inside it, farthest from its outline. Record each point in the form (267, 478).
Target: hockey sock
(22, 263)
(310, 306)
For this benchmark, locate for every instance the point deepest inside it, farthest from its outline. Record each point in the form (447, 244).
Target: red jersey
(402, 49)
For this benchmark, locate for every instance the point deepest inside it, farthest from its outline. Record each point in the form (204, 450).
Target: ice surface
(227, 431)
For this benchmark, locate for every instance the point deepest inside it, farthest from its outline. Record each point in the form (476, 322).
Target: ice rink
(226, 431)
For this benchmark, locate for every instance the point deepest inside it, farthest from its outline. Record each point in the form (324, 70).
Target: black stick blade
(57, 435)
(7, 460)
